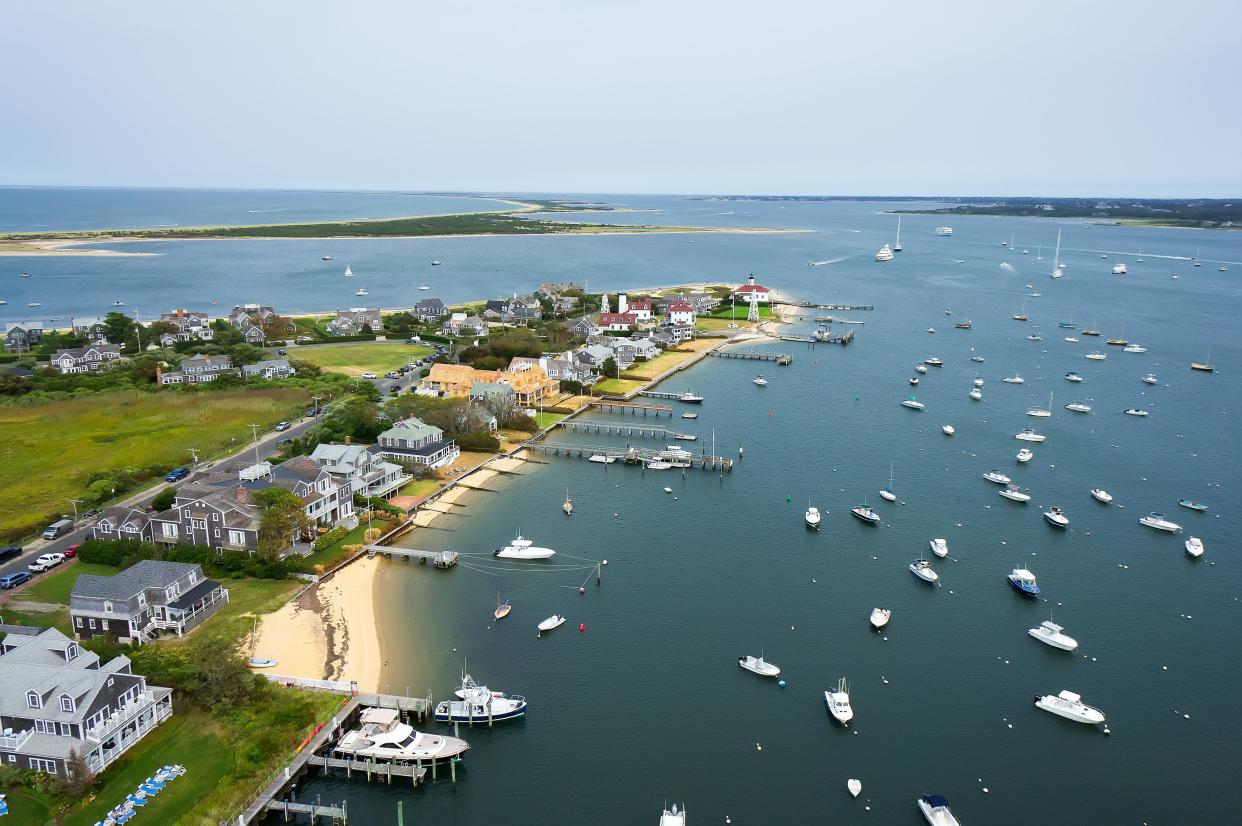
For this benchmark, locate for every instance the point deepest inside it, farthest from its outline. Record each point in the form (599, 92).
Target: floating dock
(754, 355)
(660, 394)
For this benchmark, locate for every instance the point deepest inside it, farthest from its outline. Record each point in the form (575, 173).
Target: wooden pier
(660, 394)
(632, 407)
(754, 355)
(629, 456)
(334, 813)
(624, 429)
(440, 559)
(817, 306)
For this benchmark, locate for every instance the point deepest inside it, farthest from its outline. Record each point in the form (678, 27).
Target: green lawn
(55, 587)
(48, 451)
(616, 386)
(58, 619)
(545, 419)
(25, 809)
(648, 370)
(742, 311)
(419, 487)
(378, 357)
(329, 556)
(247, 597)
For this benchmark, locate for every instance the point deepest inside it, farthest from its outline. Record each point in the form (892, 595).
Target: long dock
(631, 407)
(660, 394)
(754, 355)
(440, 559)
(629, 456)
(334, 813)
(818, 306)
(624, 428)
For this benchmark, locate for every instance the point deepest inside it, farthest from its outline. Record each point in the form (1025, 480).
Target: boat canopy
(936, 800)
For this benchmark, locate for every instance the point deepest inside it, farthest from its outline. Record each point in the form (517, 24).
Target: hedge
(122, 553)
(335, 339)
(330, 538)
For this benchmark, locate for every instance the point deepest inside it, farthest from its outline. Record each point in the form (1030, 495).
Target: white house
(680, 313)
(640, 309)
(761, 293)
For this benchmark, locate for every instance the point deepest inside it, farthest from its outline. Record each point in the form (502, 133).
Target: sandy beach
(61, 247)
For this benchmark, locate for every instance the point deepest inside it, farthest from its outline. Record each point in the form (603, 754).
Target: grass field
(55, 587)
(25, 809)
(616, 386)
(419, 487)
(378, 357)
(50, 450)
(648, 370)
(741, 311)
(709, 323)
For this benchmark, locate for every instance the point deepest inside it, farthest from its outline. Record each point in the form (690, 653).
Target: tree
(142, 370)
(79, 778)
(220, 677)
(118, 327)
(355, 418)
(11, 385)
(245, 354)
(401, 323)
(609, 368)
(158, 328)
(164, 499)
(281, 522)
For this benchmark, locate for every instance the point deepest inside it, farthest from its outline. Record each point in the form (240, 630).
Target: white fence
(323, 685)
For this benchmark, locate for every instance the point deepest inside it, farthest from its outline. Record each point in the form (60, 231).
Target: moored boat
(948, 429)
(922, 569)
(479, 704)
(1136, 411)
(935, 808)
(880, 617)
(1194, 546)
(757, 665)
(1015, 493)
(1078, 407)
(1049, 633)
(812, 517)
(1069, 705)
(1156, 521)
(940, 547)
(1028, 435)
(1023, 581)
(838, 702)
(864, 513)
(1192, 504)
(1102, 495)
(997, 477)
(1025, 455)
(913, 403)
(1056, 517)
(519, 548)
(674, 816)
(382, 736)
(1072, 376)
(554, 621)
(976, 394)
(1014, 379)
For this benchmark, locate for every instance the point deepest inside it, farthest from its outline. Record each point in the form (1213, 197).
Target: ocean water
(647, 705)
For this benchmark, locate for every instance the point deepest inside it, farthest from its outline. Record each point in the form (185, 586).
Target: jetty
(754, 355)
(440, 559)
(817, 306)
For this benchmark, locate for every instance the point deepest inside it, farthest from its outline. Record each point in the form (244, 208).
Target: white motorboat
(854, 786)
(914, 380)
(1034, 337)
(1052, 634)
(435, 263)
(423, 287)
(1056, 517)
(940, 547)
(690, 398)
(1042, 412)
(383, 736)
(941, 231)
(1157, 522)
(479, 704)
(1069, 705)
(931, 329)
(913, 403)
(1134, 348)
(1014, 379)
(1072, 376)
(1102, 495)
(688, 415)
(920, 368)
(1015, 493)
(520, 548)
(601, 459)
(1150, 378)
(656, 464)
(759, 381)
(997, 477)
(978, 382)
(976, 394)
(757, 665)
(885, 253)
(880, 617)
(1194, 546)
(838, 702)
(1025, 455)
(326, 257)
(1029, 435)
(933, 362)
(922, 569)
(1072, 339)
(936, 810)
(668, 489)
(1078, 407)
(362, 291)
(1119, 268)
(948, 429)
(673, 816)
(813, 517)
(1096, 355)
(554, 621)
(977, 359)
(864, 513)
(1136, 411)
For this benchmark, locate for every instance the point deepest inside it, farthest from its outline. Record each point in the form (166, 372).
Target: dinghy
(554, 621)
(757, 665)
(880, 617)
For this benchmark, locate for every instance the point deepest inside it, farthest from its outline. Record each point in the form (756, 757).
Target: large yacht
(1069, 705)
(1052, 634)
(383, 736)
(913, 403)
(838, 702)
(1158, 522)
(519, 548)
(1078, 407)
(885, 253)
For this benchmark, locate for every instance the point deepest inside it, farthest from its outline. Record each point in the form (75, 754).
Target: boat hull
(1029, 591)
(462, 717)
(1089, 716)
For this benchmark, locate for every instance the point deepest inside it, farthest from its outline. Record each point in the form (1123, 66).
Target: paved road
(233, 462)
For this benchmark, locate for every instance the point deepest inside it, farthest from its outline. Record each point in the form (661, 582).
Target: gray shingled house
(146, 598)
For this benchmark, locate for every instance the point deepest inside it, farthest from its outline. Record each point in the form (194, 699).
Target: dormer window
(71, 651)
(33, 700)
(107, 606)
(66, 703)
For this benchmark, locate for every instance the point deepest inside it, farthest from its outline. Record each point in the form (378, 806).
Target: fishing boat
(940, 547)
(759, 381)
(673, 816)
(1049, 633)
(933, 362)
(1025, 455)
(568, 505)
(1057, 266)
(1069, 705)
(1135, 411)
(880, 617)
(1096, 355)
(838, 703)
(479, 704)
(964, 325)
(854, 786)
(1041, 412)
(1029, 435)
(1156, 521)
(1194, 546)
(1015, 493)
(1023, 581)
(1101, 495)
(382, 736)
(922, 569)
(1204, 366)
(913, 403)
(1150, 378)
(1078, 407)
(1072, 376)
(519, 548)
(1192, 504)
(976, 394)
(1056, 517)
(943, 231)
(502, 608)
(997, 477)
(886, 492)
(1119, 268)
(1014, 379)
(885, 253)
(690, 398)
(554, 621)
(813, 517)
(757, 665)
(948, 429)
(864, 513)
(936, 811)
(920, 368)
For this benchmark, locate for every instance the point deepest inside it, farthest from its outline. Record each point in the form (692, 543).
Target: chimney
(347, 441)
(242, 495)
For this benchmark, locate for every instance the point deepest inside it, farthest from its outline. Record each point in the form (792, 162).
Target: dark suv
(177, 474)
(11, 552)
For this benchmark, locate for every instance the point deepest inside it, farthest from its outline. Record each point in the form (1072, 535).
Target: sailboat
(1204, 366)
(1021, 316)
(897, 243)
(1057, 266)
(1120, 341)
(568, 507)
(348, 272)
(1041, 412)
(502, 608)
(1196, 261)
(886, 492)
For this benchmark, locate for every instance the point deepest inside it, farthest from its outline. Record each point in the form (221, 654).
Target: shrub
(164, 499)
(331, 538)
(479, 441)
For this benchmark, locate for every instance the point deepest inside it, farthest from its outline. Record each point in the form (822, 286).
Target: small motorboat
(1052, 634)
(502, 608)
(880, 617)
(1069, 705)
(931, 329)
(263, 662)
(914, 380)
(997, 477)
(976, 394)
(1056, 517)
(1078, 407)
(1014, 379)
(1034, 337)
(940, 547)
(933, 362)
(1194, 547)
(423, 287)
(759, 381)
(1072, 376)
(838, 703)
(864, 513)
(1015, 493)
(655, 464)
(936, 810)
(977, 359)
(1096, 355)
(1102, 495)
(690, 398)
(1192, 504)
(1072, 339)
(813, 517)
(326, 257)
(978, 382)
(920, 368)
(1156, 521)
(435, 263)
(922, 569)
(668, 489)
(963, 325)
(1150, 378)
(1023, 581)
(1134, 348)
(948, 429)
(1136, 411)
(854, 786)
(757, 665)
(1029, 435)
(554, 621)
(674, 816)
(1025, 455)
(913, 403)
(689, 415)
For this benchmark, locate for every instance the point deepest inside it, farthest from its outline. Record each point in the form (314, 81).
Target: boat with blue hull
(478, 704)
(1023, 581)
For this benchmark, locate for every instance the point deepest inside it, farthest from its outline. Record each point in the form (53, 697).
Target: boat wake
(829, 261)
(1007, 267)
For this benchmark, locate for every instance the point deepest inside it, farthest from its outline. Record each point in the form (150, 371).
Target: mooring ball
(781, 684)
(582, 590)
(582, 626)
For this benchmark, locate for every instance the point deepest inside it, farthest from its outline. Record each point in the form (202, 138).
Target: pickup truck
(46, 562)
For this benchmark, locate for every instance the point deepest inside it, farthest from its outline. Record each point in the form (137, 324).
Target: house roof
(752, 288)
(430, 304)
(149, 573)
(412, 429)
(617, 318)
(680, 307)
(260, 366)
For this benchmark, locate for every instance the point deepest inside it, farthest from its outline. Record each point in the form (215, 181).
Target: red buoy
(582, 626)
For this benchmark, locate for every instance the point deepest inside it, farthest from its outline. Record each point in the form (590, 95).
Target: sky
(1107, 98)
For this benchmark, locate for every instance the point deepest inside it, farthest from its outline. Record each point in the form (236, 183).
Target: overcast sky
(997, 97)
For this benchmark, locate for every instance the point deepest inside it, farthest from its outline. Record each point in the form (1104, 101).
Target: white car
(369, 375)
(46, 562)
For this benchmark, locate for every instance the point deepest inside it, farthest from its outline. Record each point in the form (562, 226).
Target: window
(103, 623)
(215, 517)
(110, 681)
(107, 607)
(40, 765)
(198, 524)
(92, 623)
(237, 538)
(193, 577)
(170, 530)
(78, 621)
(66, 730)
(66, 702)
(12, 758)
(71, 651)
(44, 727)
(33, 700)
(142, 600)
(217, 533)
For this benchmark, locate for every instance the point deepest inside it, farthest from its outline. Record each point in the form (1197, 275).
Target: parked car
(177, 474)
(282, 352)
(369, 375)
(46, 562)
(395, 389)
(72, 551)
(392, 374)
(10, 552)
(58, 529)
(91, 514)
(302, 339)
(284, 442)
(282, 426)
(12, 580)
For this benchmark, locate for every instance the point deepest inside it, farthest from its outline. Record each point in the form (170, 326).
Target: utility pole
(138, 329)
(254, 428)
(193, 458)
(75, 510)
